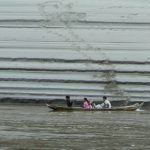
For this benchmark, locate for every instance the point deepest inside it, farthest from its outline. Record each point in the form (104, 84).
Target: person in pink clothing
(86, 104)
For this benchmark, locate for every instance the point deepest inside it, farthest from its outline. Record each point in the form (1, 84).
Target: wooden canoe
(121, 108)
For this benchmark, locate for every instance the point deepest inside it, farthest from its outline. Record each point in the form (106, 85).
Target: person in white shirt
(98, 106)
(106, 103)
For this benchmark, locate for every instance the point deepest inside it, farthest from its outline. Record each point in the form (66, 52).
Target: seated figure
(69, 103)
(106, 103)
(86, 104)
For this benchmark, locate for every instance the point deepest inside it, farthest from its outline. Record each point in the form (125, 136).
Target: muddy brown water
(37, 127)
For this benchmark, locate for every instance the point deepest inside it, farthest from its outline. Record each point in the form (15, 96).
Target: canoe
(121, 108)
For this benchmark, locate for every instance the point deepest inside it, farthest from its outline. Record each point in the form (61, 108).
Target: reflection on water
(35, 127)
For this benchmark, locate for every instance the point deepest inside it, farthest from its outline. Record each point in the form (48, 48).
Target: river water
(37, 127)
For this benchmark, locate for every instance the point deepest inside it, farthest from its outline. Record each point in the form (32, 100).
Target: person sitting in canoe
(86, 104)
(69, 103)
(106, 103)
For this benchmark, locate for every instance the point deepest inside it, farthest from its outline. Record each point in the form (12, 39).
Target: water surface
(37, 127)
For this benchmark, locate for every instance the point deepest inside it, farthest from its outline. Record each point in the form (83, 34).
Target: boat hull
(123, 108)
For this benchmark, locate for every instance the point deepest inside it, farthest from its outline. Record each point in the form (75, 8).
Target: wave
(86, 22)
(115, 82)
(104, 61)
(42, 23)
(126, 72)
